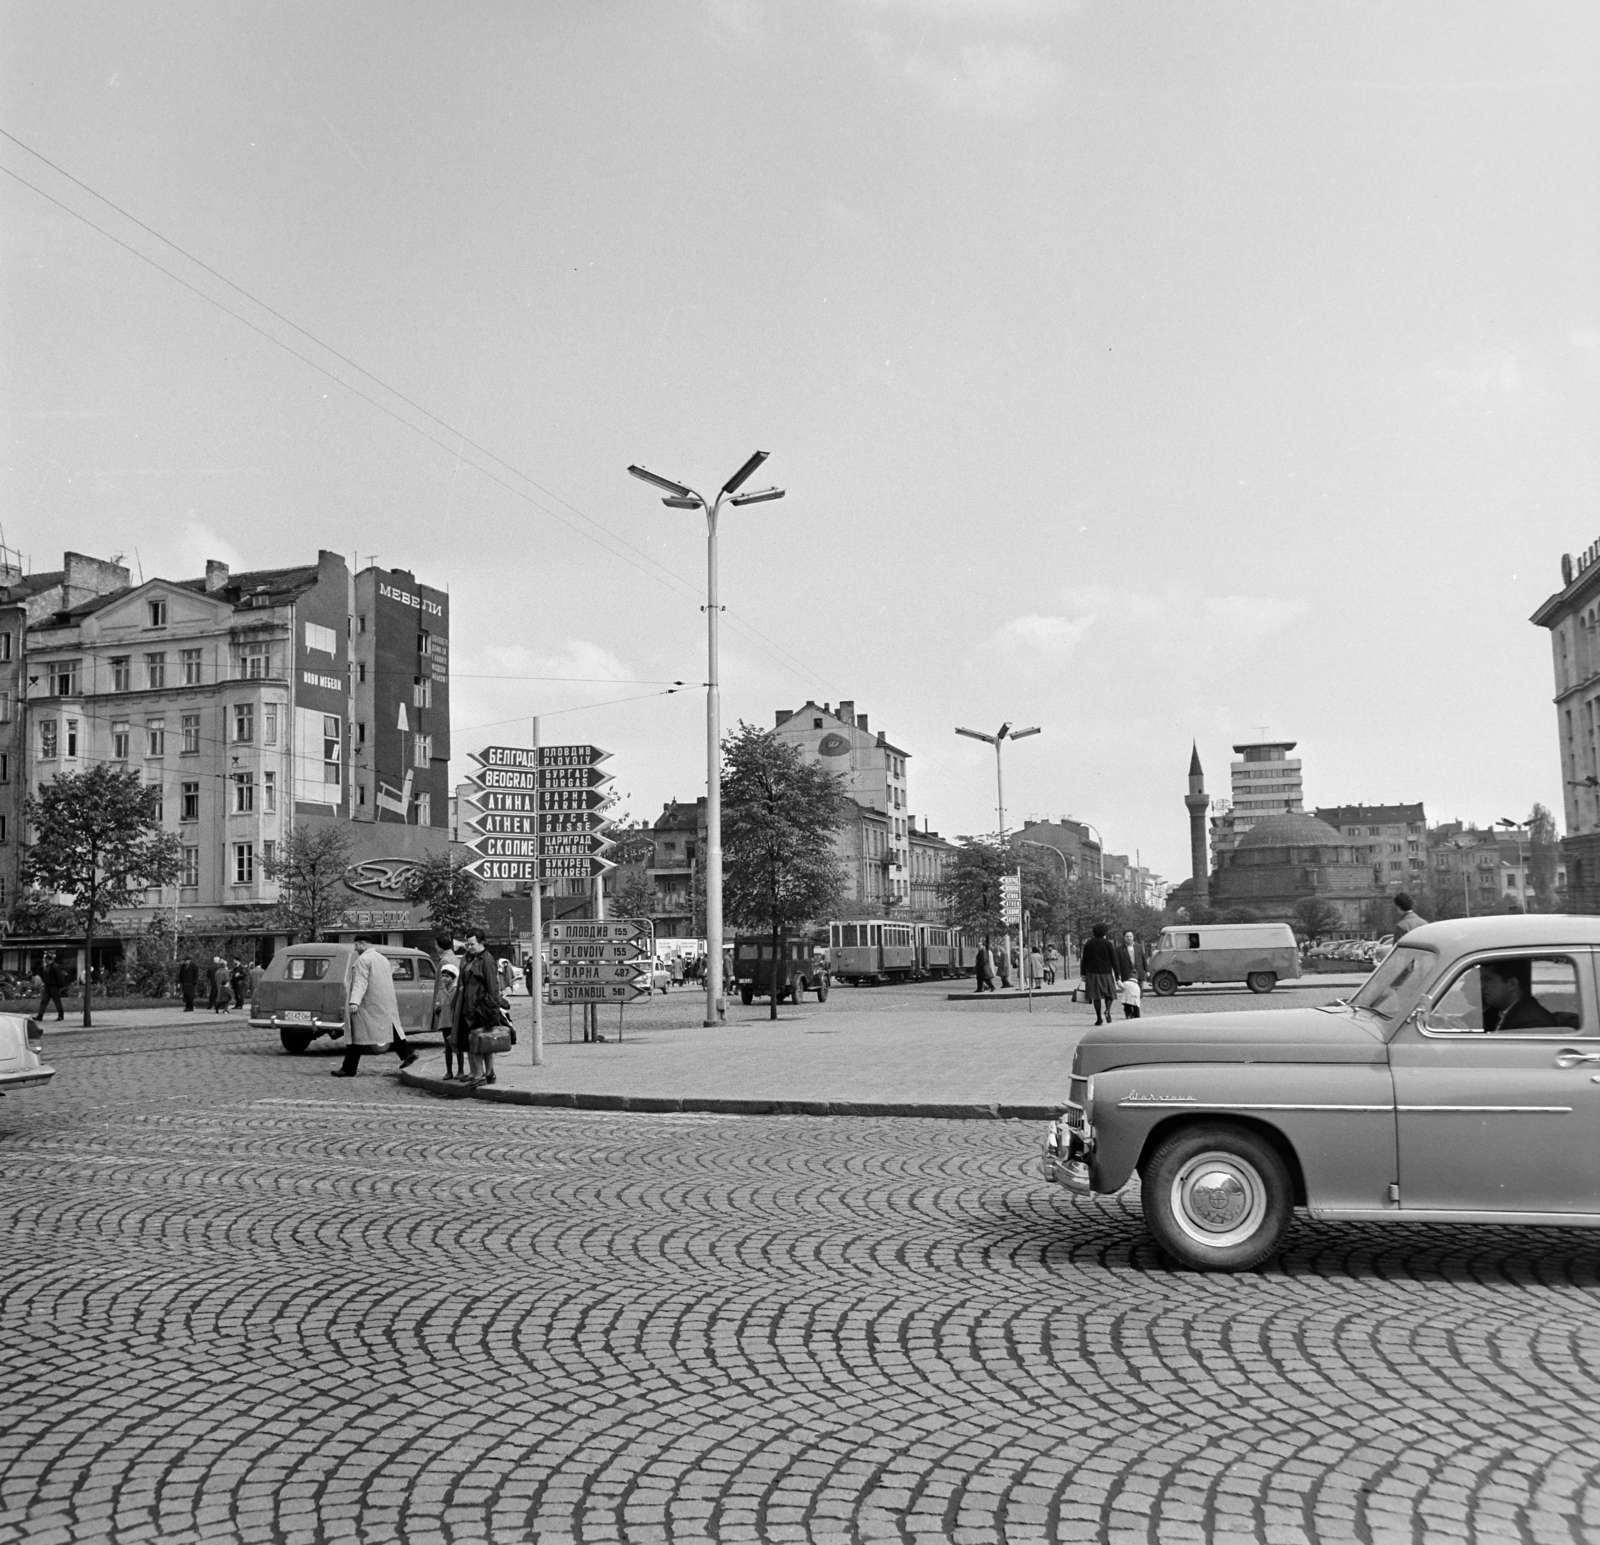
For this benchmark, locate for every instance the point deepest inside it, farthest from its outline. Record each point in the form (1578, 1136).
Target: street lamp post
(1522, 872)
(1101, 840)
(998, 739)
(680, 496)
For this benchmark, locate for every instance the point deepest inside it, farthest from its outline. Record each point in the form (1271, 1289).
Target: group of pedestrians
(1114, 971)
(470, 1009)
(229, 983)
(1038, 968)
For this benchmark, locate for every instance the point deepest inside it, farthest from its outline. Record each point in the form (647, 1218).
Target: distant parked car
(305, 992)
(1460, 1085)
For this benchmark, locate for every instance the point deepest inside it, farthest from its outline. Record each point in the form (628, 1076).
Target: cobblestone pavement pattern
(242, 1301)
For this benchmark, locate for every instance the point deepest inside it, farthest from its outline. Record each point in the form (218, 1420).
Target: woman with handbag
(480, 1010)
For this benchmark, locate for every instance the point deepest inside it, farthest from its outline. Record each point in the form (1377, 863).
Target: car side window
(425, 970)
(1513, 995)
(401, 970)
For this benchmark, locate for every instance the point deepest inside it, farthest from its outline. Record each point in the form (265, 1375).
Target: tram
(874, 951)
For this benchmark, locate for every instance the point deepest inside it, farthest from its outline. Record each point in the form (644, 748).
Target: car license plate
(296, 1016)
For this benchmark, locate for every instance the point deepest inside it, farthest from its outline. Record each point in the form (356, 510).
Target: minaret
(1198, 802)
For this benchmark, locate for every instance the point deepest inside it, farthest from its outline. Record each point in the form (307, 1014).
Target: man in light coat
(374, 1012)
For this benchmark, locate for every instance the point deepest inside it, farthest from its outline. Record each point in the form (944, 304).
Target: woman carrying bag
(482, 1020)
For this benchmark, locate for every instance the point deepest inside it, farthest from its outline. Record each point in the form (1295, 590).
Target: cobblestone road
(245, 1301)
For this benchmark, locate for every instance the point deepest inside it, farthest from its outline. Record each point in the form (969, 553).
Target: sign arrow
(502, 869)
(572, 868)
(520, 843)
(570, 799)
(539, 756)
(597, 971)
(631, 949)
(611, 930)
(596, 992)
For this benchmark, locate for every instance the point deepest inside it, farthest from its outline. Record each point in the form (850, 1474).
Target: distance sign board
(633, 949)
(516, 869)
(597, 992)
(610, 930)
(571, 824)
(596, 971)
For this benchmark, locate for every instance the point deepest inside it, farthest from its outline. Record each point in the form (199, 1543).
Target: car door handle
(1567, 1057)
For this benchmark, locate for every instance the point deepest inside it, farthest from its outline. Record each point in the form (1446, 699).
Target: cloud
(1585, 343)
(1042, 635)
(1478, 384)
(1154, 620)
(993, 78)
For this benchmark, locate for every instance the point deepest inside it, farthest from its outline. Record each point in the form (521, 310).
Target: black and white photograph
(908, 691)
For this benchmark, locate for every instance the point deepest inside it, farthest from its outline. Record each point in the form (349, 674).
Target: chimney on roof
(861, 723)
(847, 710)
(216, 576)
(783, 714)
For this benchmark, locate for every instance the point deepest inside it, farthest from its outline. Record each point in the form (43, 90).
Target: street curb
(1013, 996)
(727, 1106)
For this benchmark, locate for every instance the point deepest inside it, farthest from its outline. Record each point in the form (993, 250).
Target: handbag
(491, 1039)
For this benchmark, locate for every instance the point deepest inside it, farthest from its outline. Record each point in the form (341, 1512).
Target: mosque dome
(1294, 830)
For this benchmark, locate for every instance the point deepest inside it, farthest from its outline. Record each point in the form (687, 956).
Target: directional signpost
(603, 960)
(540, 816)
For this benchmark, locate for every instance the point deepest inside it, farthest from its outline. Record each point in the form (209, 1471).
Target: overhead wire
(656, 568)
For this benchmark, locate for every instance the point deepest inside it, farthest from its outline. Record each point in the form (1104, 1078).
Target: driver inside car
(1508, 1000)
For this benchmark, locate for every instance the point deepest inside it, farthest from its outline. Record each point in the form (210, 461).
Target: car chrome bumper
(33, 1076)
(316, 1026)
(1071, 1173)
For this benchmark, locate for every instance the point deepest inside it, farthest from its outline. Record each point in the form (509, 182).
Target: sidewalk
(982, 1064)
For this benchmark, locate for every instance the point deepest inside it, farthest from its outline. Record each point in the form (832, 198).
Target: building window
(244, 793)
(189, 807)
(269, 724)
(422, 645)
(3, 832)
(422, 691)
(361, 794)
(269, 854)
(269, 793)
(244, 721)
(5, 646)
(424, 804)
(191, 868)
(121, 673)
(361, 670)
(423, 750)
(244, 863)
(72, 737)
(190, 659)
(255, 663)
(158, 614)
(63, 678)
(332, 750)
(158, 808)
(361, 734)
(5, 708)
(361, 627)
(49, 747)
(155, 671)
(119, 741)
(5, 767)
(191, 734)
(156, 732)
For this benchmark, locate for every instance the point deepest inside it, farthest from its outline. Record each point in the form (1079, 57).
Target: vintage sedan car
(305, 992)
(21, 1048)
(1461, 1084)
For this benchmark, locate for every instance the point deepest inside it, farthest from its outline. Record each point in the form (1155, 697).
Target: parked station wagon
(21, 1053)
(1461, 1084)
(305, 992)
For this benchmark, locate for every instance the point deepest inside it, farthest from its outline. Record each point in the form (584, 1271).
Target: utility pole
(538, 934)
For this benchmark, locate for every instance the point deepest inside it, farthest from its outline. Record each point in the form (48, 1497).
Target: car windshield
(1394, 986)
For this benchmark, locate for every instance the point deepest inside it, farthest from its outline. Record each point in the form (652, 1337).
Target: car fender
(1335, 1121)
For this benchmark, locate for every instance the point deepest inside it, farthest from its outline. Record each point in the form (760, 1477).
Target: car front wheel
(1217, 1197)
(822, 992)
(1165, 983)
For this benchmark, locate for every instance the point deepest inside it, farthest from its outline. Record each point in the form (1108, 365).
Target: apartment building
(1392, 838)
(875, 843)
(1265, 781)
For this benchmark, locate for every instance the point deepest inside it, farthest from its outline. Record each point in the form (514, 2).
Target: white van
(1259, 954)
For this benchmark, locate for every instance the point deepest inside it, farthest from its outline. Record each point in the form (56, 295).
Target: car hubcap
(1218, 1200)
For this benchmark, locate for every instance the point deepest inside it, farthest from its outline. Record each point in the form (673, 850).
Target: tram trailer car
(872, 952)
(939, 952)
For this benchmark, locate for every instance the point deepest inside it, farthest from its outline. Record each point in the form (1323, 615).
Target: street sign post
(597, 992)
(611, 929)
(598, 971)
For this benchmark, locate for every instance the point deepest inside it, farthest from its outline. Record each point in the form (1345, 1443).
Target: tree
(779, 815)
(631, 894)
(1542, 858)
(970, 885)
(309, 867)
(36, 914)
(449, 890)
(97, 842)
(1315, 916)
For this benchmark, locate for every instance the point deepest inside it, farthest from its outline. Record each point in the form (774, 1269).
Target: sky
(1152, 373)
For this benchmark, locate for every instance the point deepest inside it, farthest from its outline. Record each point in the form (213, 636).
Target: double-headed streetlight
(680, 496)
(1522, 874)
(1000, 736)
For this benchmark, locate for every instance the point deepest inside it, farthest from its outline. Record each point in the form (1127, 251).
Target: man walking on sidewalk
(374, 1012)
(188, 981)
(54, 980)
